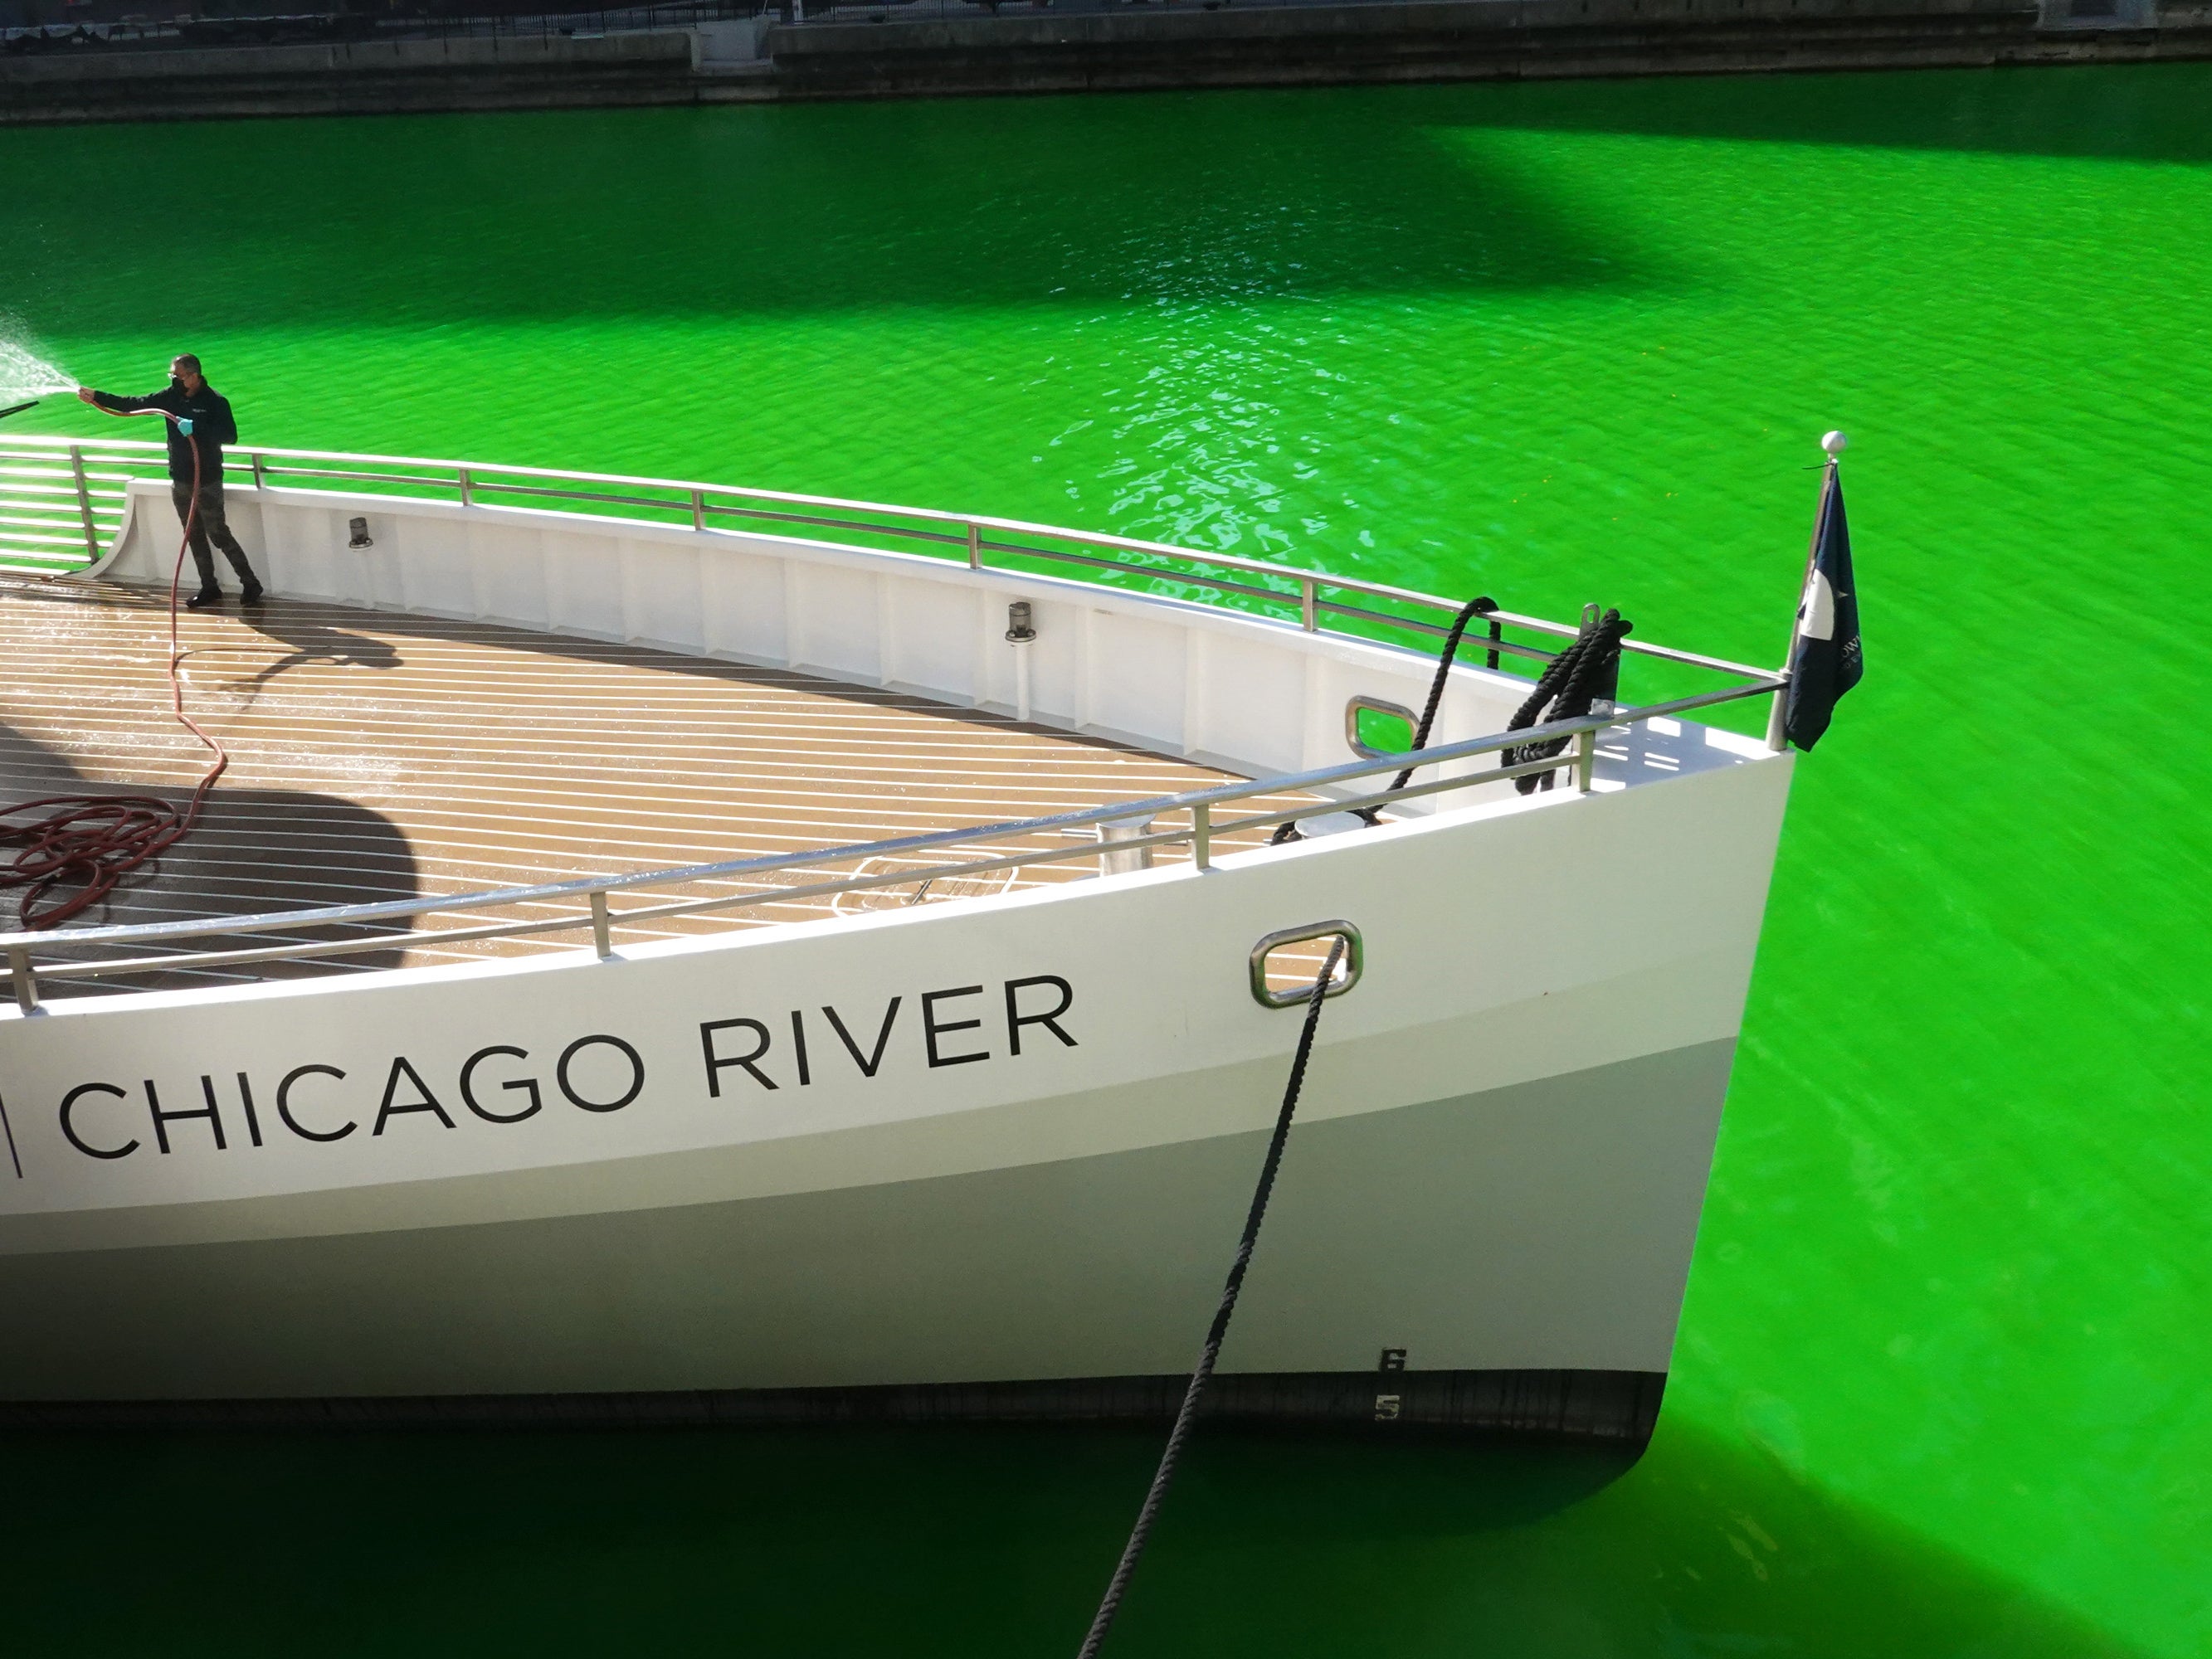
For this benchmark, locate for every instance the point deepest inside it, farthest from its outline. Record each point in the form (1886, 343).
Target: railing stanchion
(256, 459)
(1585, 760)
(698, 509)
(1201, 834)
(84, 503)
(1307, 618)
(1777, 716)
(602, 925)
(25, 979)
(468, 486)
(975, 546)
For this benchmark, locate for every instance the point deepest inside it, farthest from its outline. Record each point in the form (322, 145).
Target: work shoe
(204, 599)
(253, 595)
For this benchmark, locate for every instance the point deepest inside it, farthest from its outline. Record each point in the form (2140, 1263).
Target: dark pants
(210, 524)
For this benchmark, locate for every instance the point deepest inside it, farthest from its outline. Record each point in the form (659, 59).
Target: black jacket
(209, 411)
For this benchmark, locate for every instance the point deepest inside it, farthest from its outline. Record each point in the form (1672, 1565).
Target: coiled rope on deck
(1203, 1372)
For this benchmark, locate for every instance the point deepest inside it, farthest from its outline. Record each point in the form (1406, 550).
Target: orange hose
(92, 842)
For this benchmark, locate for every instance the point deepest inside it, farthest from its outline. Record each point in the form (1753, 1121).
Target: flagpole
(1834, 443)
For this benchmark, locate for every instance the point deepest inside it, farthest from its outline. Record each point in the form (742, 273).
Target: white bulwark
(1002, 1141)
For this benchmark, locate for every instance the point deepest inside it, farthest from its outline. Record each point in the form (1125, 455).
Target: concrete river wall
(861, 52)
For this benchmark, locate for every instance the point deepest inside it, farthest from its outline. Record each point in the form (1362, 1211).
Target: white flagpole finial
(1835, 443)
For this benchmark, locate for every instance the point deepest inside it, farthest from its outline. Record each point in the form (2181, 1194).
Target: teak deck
(379, 756)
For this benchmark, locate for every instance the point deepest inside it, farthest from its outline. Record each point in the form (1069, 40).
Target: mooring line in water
(1102, 1621)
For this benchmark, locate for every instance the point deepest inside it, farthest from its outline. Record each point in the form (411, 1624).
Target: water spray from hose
(25, 378)
(25, 375)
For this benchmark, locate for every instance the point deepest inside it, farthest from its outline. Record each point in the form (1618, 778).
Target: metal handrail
(1581, 732)
(469, 479)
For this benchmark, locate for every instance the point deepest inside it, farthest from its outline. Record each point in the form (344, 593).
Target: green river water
(1941, 1384)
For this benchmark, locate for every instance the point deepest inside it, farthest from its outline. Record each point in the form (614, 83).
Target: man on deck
(190, 397)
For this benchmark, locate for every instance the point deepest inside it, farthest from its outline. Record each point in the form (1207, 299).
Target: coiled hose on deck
(92, 842)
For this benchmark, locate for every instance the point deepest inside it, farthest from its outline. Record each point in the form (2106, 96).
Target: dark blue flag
(1825, 660)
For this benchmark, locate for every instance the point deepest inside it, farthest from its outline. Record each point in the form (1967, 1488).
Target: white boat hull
(1500, 1160)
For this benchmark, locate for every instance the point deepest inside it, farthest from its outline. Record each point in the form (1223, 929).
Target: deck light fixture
(1020, 630)
(358, 534)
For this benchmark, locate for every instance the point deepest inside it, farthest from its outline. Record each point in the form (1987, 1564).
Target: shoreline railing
(58, 493)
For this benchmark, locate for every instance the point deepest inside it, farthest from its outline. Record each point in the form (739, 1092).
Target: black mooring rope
(1103, 1620)
(1468, 612)
(1570, 684)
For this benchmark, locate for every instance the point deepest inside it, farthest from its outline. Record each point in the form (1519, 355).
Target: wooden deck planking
(378, 756)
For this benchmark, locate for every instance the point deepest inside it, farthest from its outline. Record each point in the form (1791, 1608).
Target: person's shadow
(310, 642)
